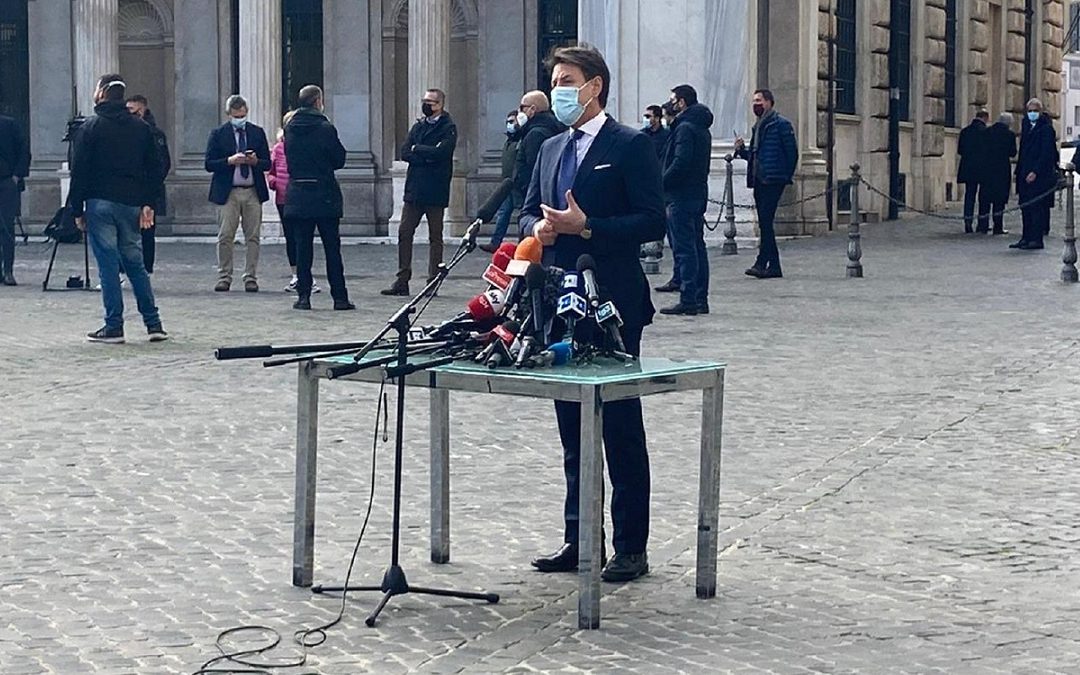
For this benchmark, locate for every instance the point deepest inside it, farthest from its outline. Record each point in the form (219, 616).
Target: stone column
(97, 47)
(429, 48)
(260, 76)
(599, 24)
(260, 62)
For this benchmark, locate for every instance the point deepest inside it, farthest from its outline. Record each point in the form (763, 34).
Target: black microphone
(609, 319)
(586, 267)
(535, 278)
(487, 211)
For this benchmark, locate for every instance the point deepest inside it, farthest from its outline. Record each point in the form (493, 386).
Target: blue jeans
(502, 221)
(114, 237)
(686, 224)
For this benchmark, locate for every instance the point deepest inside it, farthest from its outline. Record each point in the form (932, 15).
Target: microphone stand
(394, 581)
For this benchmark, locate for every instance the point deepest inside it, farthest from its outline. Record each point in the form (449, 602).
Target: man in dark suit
(313, 199)
(429, 150)
(238, 155)
(14, 166)
(596, 190)
(971, 146)
(1036, 175)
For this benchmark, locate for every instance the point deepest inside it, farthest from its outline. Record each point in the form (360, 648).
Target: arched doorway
(146, 56)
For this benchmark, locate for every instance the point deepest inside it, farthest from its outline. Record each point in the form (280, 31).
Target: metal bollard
(1068, 270)
(730, 247)
(854, 246)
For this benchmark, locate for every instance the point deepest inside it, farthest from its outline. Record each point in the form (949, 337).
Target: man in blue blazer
(596, 189)
(238, 155)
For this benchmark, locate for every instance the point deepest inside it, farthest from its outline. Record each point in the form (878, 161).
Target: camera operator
(115, 178)
(14, 166)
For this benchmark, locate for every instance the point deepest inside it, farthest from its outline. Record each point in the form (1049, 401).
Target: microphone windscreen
(507, 247)
(585, 262)
(562, 351)
(529, 249)
(485, 306)
(500, 259)
(535, 277)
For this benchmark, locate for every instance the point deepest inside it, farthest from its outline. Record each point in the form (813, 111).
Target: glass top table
(591, 384)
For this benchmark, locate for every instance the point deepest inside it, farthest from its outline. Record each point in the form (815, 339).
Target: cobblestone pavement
(899, 478)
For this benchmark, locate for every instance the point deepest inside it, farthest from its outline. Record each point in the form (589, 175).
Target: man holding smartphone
(238, 155)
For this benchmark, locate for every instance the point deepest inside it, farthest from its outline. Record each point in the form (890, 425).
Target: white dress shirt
(590, 129)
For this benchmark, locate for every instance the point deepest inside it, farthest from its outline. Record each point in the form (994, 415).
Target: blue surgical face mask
(238, 122)
(511, 128)
(568, 109)
(1033, 116)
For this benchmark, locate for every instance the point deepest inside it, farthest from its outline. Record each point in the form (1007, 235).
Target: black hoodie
(114, 159)
(688, 155)
(538, 129)
(314, 152)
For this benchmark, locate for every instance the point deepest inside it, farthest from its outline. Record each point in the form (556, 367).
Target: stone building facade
(374, 57)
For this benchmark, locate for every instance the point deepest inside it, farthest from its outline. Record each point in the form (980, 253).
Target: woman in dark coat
(997, 180)
(1036, 175)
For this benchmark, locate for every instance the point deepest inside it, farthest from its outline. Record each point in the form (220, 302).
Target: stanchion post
(730, 247)
(1068, 271)
(854, 246)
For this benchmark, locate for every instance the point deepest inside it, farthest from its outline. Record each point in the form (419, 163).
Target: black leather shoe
(770, 274)
(396, 289)
(1019, 244)
(967, 229)
(703, 308)
(669, 287)
(626, 567)
(343, 305)
(9, 279)
(303, 302)
(997, 232)
(754, 271)
(1031, 246)
(488, 248)
(680, 309)
(564, 560)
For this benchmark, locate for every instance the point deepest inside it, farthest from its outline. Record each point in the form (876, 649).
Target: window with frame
(844, 79)
(557, 27)
(950, 63)
(15, 64)
(1072, 38)
(900, 35)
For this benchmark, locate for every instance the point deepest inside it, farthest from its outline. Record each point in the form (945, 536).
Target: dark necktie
(241, 146)
(567, 170)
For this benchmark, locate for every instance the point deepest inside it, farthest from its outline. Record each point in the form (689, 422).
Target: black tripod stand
(394, 581)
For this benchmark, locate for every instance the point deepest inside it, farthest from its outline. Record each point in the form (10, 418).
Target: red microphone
(495, 274)
(480, 310)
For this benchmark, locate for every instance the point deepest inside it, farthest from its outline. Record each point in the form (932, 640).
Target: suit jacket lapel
(597, 151)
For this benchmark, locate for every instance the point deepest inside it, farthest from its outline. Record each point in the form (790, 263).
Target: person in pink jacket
(278, 181)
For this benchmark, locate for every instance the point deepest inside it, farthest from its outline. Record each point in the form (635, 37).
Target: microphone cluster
(534, 317)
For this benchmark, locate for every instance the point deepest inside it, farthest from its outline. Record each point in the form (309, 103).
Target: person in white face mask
(652, 123)
(1036, 175)
(509, 161)
(596, 190)
(537, 124)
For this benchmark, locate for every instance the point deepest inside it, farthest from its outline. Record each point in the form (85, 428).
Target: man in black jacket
(429, 150)
(971, 146)
(115, 175)
(509, 161)
(997, 174)
(652, 123)
(313, 199)
(597, 190)
(238, 155)
(686, 191)
(138, 105)
(1036, 175)
(538, 124)
(14, 166)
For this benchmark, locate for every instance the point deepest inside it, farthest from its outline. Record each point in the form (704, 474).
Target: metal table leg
(712, 420)
(440, 476)
(590, 507)
(307, 442)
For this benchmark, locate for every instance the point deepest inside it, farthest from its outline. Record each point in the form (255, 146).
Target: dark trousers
(288, 228)
(627, 464)
(971, 197)
(305, 254)
(149, 252)
(1036, 220)
(410, 220)
(686, 225)
(766, 199)
(9, 207)
(988, 205)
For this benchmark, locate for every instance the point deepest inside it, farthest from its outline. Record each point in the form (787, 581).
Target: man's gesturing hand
(571, 220)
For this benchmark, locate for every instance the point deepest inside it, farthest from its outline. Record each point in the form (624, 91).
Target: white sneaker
(123, 283)
(315, 287)
(291, 287)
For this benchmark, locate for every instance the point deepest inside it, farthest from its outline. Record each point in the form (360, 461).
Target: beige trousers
(243, 206)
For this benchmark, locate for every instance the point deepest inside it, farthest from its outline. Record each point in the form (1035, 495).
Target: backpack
(62, 229)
